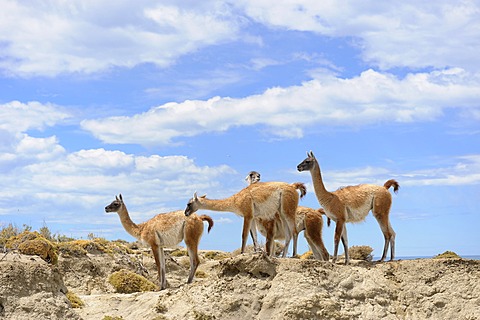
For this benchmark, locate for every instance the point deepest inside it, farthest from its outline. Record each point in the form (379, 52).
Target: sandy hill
(247, 286)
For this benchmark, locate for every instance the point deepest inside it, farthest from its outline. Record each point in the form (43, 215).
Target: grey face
(307, 164)
(115, 205)
(191, 207)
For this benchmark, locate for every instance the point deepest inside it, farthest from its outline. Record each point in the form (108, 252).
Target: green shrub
(72, 248)
(62, 238)
(16, 240)
(7, 232)
(45, 232)
(216, 255)
(120, 246)
(125, 281)
(40, 247)
(75, 300)
(33, 243)
(447, 255)
(179, 253)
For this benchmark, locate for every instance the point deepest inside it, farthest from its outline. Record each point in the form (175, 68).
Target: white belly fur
(172, 236)
(359, 214)
(267, 208)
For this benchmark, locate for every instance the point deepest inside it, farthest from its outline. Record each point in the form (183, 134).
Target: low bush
(361, 253)
(216, 255)
(307, 255)
(179, 253)
(75, 300)
(33, 243)
(447, 255)
(7, 232)
(125, 281)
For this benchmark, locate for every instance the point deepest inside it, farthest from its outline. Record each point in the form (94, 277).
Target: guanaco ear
(204, 196)
(195, 196)
(120, 196)
(311, 154)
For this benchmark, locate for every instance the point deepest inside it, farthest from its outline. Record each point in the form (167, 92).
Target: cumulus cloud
(84, 179)
(455, 171)
(18, 148)
(17, 117)
(94, 36)
(371, 97)
(41, 149)
(391, 34)
(45, 175)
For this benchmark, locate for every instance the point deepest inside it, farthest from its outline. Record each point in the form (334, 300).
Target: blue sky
(158, 99)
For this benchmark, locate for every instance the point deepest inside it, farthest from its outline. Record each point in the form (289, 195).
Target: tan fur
(260, 200)
(306, 219)
(352, 204)
(165, 230)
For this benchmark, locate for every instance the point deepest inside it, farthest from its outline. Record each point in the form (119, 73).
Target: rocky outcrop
(249, 286)
(308, 289)
(30, 288)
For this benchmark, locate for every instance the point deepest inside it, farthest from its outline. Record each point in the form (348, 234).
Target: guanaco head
(193, 204)
(307, 164)
(252, 177)
(116, 204)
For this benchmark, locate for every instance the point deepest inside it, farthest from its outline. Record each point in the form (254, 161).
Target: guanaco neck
(131, 227)
(323, 195)
(227, 204)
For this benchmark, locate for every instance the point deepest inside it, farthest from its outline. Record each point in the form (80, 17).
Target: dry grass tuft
(361, 253)
(307, 255)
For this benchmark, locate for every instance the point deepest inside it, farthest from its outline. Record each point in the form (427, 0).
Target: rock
(246, 286)
(30, 288)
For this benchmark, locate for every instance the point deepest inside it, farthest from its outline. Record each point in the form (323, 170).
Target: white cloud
(464, 170)
(369, 98)
(85, 179)
(390, 34)
(18, 148)
(45, 175)
(461, 170)
(17, 117)
(94, 36)
(40, 149)
(40, 168)
(100, 158)
(90, 37)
